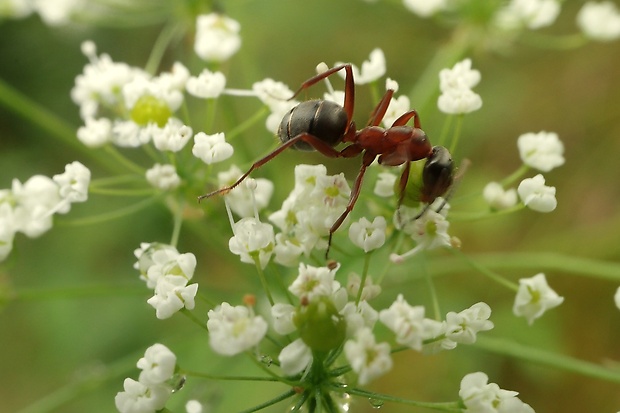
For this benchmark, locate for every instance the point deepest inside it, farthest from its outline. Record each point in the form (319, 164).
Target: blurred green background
(66, 352)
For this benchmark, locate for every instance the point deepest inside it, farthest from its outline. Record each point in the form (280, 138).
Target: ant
(321, 125)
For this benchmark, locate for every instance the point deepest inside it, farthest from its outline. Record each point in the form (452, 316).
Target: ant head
(437, 175)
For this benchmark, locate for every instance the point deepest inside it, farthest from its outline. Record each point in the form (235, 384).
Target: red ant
(321, 125)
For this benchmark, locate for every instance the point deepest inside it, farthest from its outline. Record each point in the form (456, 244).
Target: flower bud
(320, 325)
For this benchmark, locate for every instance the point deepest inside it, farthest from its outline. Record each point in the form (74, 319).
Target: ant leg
(355, 193)
(404, 118)
(322, 147)
(379, 112)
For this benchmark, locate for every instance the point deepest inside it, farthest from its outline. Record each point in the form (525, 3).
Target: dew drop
(376, 404)
(266, 360)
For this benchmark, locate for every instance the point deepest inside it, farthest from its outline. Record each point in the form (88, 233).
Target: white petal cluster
(233, 330)
(368, 235)
(371, 69)
(217, 37)
(211, 148)
(536, 195)
(295, 357)
(369, 291)
(499, 198)
(253, 241)
(173, 136)
(313, 282)
(455, 85)
(245, 198)
(29, 207)
(429, 231)
(532, 14)
(307, 214)
(163, 177)
(152, 390)
(168, 272)
(367, 358)
(543, 150)
(534, 298)
(407, 322)
(425, 8)
(207, 85)
(599, 21)
(462, 327)
(478, 395)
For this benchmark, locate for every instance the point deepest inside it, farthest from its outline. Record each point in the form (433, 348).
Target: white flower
(367, 358)
(497, 197)
(430, 231)
(407, 322)
(152, 91)
(369, 291)
(384, 187)
(253, 240)
(193, 406)
(368, 235)
(533, 14)
(543, 151)
(141, 398)
(358, 317)
(172, 294)
(157, 365)
(372, 69)
(7, 232)
(95, 132)
(167, 261)
(128, 134)
(455, 85)
(211, 148)
(599, 21)
(73, 184)
(16, 9)
(295, 357)
(276, 96)
(59, 12)
(207, 85)
(282, 315)
(34, 202)
(480, 396)
(173, 136)
(287, 250)
(244, 198)
(459, 101)
(233, 330)
(163, 177)
(217, 37)
(536, 195)
(462, 327)
(617, 298)
(314, 282)
(534, 298)
(460, 76)
(425, 8)
(150, 254)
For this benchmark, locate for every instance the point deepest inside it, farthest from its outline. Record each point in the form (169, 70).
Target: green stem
(457, 133)
(547, 358)
(482, 269)
(363, 277)
(178, 222)
(247, 124)
(193, 318)
(263, 280)
(271, 402)
(165, 37)
(121, 159)
(109, 216)
(515, 176)
(226, 378)
(446, 407)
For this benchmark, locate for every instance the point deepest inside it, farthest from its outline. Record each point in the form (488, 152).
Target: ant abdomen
(323, 119)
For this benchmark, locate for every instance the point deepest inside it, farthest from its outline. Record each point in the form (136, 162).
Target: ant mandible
(322, 124)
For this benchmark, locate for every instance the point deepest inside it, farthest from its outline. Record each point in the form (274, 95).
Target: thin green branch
(547, 358)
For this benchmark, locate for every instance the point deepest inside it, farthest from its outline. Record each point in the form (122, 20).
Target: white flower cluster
(455, 85)
(426, 227)
(308, 213)
(543, 151)
(154, 386)
(478, 395)
(414, 330)
(371, 69)
(532, 14)
(29, 207)
(52, 12)
(167, 272)
(599, 21)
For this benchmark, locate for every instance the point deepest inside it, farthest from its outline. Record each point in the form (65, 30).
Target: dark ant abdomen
(323, 119)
